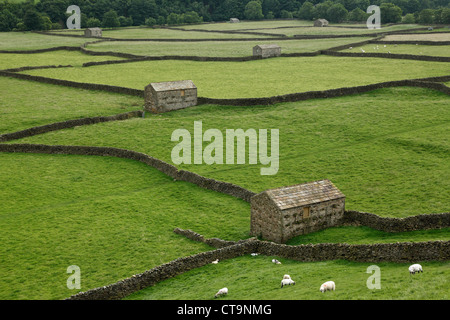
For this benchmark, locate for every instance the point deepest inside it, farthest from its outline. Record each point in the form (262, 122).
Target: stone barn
(280, 214)
(320, 23)
(267, 50)
(167, 96)
(234, 20)
(93, 32)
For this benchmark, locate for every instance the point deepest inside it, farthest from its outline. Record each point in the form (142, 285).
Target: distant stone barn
(234, 20)
(320, 23)
(167, 96)
(280, 214)
(93, 32)
(267, 50)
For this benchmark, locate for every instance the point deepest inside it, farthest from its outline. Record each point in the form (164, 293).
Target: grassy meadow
(386, 150)
(257, 278)
(257, 78)
(378, 148)
(217, 48)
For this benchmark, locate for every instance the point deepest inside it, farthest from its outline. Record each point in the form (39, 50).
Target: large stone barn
(280, 214)
(167, 96)
(320, 23)
(93, 32)
(267, 50)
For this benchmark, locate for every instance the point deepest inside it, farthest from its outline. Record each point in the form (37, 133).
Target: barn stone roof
(268, 46)
(173, 85)
(304, 194)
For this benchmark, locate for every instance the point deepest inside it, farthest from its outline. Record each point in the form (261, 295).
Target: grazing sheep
(329, 285)
(287, 282)
(215, 261)
(276, 261)
(221, 292)
(415, 268)
(254, 254)
(362, 50)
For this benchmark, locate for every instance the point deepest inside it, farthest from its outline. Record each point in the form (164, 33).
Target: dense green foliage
(46, 14)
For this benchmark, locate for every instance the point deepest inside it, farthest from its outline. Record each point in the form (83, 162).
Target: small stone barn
(280, 214)
(320, 23)
(167, 96)
(234, 20)
(267, 50)
(93, 32)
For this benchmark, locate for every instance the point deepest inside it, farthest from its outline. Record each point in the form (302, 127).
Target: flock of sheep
(374, 48)
(326, 286)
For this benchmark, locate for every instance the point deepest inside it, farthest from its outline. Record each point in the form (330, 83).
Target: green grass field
(259, 78)
(217, 48)
(386, 150)
(379, 145)
(257, 278)
(440, 51)
(33, 41)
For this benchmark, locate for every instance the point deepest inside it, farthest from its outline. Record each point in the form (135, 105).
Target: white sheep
(415, 268)
(286, 276)
(215, 261)
(276, 261)
(329, 285)
(287, 282)
(221, 292)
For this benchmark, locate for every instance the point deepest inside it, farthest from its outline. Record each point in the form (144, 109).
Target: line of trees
(51, 14)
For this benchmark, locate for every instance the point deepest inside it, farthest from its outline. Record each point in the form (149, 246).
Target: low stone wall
(73, 84)
(148, 278)
(67, 48)
(213, 242)
(67, 124)
(429, 83)
(406, 252)
(20, 69)
(168, 169)
(421, 42)
(400, 252)
(386, 55)
(387, 224)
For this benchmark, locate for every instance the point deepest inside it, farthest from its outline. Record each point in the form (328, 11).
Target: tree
(337, 13)
(192, 17)
(321, 10)
(8, 21)
(426, 16)
(390, 13)
(173, 18)
(111, 19)
(445, 16)
(271, 6)
(32, 20)
(54, 9)
(357, 15)
(307, 11)
(140, 10)
(286, 14)
(409, 18)
(253, 11)
(126, 22)
(93, 23)
(150, 22)
(46, 23)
